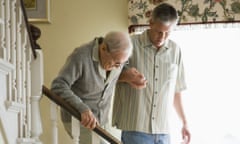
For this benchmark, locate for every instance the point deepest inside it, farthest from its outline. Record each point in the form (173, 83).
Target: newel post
(36, 86)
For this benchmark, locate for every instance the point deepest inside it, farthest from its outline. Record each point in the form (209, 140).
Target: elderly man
(88, 78)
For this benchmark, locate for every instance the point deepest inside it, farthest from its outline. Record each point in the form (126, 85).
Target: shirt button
(154, 105)
(156, 79)
(155, 92)
(153, 118)
(156, 66)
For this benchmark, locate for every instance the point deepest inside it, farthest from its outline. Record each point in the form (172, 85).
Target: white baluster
(6, 44)
(53, 116)
(75, 130)
(2, 29)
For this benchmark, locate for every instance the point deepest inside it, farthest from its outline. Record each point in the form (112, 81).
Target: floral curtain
(190, 11)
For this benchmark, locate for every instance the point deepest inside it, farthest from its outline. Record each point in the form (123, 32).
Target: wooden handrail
(32, 43)
(59, 101)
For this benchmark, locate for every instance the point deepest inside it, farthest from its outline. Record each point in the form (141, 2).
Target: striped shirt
(147, 110)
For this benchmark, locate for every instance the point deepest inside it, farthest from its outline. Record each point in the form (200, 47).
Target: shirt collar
(95, 57)
(95, 54)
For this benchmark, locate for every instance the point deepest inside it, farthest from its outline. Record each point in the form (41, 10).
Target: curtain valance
(190, 11)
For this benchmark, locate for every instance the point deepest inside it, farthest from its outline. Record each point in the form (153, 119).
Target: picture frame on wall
(38, 10)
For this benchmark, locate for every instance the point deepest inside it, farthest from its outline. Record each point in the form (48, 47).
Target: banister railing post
(54, 118)
(75, 130)
(36, 92)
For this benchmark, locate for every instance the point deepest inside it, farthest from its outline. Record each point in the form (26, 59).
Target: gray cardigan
(82, 83)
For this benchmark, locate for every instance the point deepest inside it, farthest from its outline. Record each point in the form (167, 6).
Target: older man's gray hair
(118, 42)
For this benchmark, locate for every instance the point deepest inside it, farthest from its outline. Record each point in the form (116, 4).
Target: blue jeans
(132, 137)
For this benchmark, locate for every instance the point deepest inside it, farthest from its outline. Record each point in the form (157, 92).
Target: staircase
(21, 77)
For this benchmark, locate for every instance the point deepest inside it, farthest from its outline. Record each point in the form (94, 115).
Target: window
(212, 99)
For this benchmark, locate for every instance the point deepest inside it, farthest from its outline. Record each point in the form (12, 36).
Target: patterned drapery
(190, 11)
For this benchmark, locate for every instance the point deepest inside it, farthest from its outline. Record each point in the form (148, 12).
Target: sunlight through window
(211, 101)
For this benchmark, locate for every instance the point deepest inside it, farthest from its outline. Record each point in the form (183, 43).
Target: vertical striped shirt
(147, 110)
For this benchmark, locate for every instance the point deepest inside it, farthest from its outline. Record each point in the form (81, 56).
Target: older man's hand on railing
(88, 120)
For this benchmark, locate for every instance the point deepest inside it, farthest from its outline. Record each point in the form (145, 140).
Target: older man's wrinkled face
(109, 61)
